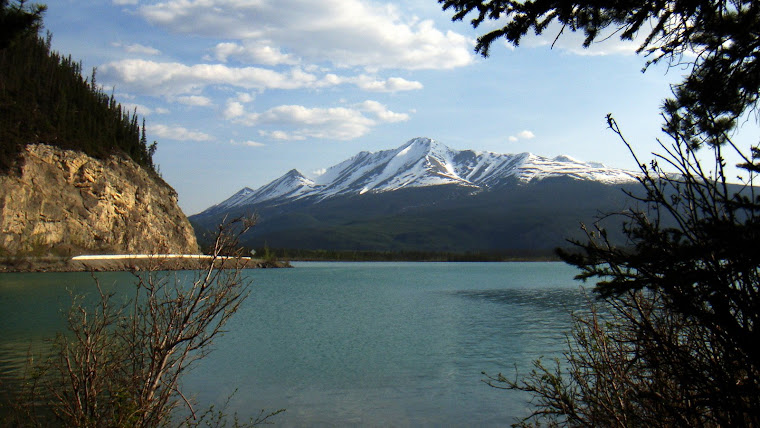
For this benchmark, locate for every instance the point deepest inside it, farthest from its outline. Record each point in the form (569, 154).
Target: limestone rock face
(67, 203)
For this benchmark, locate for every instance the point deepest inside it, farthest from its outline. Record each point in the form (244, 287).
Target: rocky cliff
(67, 203)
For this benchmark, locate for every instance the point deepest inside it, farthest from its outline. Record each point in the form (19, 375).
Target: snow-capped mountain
(423, 162)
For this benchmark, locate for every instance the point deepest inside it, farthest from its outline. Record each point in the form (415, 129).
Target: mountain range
(425, 196)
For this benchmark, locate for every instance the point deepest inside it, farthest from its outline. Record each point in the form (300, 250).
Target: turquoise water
(362, 344)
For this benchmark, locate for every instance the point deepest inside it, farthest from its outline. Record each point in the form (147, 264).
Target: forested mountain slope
(424, 196)
(76, 172)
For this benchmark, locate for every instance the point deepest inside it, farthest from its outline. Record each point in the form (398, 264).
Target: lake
(351, 344)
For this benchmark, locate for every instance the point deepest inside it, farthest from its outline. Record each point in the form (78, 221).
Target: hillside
(76, 173)
(44, 98)
(424, 196)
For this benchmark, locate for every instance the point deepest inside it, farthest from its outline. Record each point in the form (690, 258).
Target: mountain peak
(421, 145)
(565, 158)
(244, 191)
(425, 162)
(293, 173)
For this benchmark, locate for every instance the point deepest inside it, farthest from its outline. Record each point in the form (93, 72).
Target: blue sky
(238, 92)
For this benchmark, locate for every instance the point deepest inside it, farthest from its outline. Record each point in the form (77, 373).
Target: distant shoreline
(308, 255)
(130, 262)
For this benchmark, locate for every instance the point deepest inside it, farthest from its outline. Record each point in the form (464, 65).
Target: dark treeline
(411, 256)
(45, 99)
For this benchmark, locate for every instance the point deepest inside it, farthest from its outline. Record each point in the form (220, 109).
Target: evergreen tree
(45, 99)
(18, 20)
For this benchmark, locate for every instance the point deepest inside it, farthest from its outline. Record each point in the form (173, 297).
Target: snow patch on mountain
(291, 185)
(423, 162)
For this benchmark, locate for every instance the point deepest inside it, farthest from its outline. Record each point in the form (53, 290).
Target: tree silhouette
(674, 341)
(45, 99)
(18, 20)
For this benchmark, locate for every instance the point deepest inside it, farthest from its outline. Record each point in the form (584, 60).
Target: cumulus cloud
(235, 106)
(249, 143)
(337, 123)
(281, 135)
(195, 100)
(171, 78)
(140, 108)
(253, 53)
(296, 122)
(234, 109)
(526, 135)
(381, 112)
(393, 84)
(346, 33)
(178, 133)
(139, 49)
(245, 97)
(522, 135)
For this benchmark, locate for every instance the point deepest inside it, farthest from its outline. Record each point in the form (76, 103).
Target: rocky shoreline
(145, 263)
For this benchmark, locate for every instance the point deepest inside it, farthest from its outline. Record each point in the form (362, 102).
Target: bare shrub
(120, 364)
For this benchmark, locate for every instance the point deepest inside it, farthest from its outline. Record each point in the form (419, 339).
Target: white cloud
(522, 135)
(178, 133)
(393, 84)
(318, 172)
(141, 109)
(245, 97)
(526, 135)
(373, 84)
(337, 123)
(345, 33)
(141, 49)
(234, 109)
(195, 100)
(253, 53)
(281, 135)
(235, 106)
(125, 2)
(171, 78)
(295, 122)
(382, 112)
(249, 143)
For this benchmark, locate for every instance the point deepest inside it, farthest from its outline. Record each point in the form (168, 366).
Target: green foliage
(704, 275)
(17, 21)
(45, 99)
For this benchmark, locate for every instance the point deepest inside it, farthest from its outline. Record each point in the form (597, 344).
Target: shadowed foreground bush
(120, 365)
